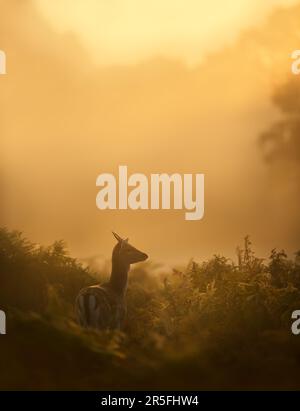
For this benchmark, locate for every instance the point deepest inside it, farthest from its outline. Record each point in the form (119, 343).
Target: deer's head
(126, 253)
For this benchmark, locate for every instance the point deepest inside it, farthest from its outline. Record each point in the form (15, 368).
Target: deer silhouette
(103, 306)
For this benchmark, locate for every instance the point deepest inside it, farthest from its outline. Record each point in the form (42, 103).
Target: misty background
(229, 109)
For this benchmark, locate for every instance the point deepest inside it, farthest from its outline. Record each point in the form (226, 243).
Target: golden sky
(153, 104)
(128, 31)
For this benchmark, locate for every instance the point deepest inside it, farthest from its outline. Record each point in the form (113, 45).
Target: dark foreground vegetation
(216, 325)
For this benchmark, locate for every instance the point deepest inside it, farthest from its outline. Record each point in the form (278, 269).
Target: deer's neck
(119, 277)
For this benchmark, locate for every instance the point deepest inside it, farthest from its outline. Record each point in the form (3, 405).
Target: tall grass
(216, 324)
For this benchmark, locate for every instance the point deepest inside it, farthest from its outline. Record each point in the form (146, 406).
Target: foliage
(216, 324)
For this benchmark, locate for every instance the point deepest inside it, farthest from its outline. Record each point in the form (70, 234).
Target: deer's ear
(117, 237)
(123, 243)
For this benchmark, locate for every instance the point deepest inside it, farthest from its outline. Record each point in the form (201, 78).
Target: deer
(103, 306)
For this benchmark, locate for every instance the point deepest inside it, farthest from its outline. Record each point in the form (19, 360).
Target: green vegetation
(215, 325)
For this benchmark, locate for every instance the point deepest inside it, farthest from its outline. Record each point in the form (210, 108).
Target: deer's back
(99, 307)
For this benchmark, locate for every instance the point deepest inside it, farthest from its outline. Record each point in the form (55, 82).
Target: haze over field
(182, 88)
(131, 31)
